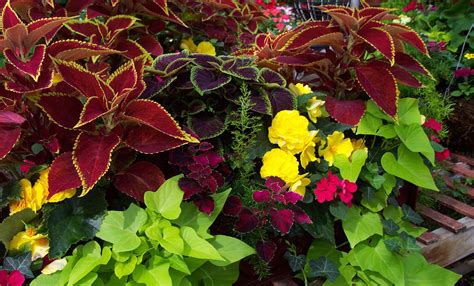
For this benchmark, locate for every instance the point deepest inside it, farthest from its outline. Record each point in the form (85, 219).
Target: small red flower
(348, 188)
(327, 189)
(410, 6)
(441, 156)
(15, 278)
(463, 72)
(433, 124)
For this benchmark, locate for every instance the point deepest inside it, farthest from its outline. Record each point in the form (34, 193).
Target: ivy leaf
(408, 242)
(393, 244)
(410, 215)
(390, 227)
(323, 267)
(120, 228)
(359, 227)
(296, 262)
(167, 199)
(74, 220)
(339, 210)
(21, 263)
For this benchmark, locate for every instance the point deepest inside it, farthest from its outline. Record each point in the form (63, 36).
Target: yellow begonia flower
(35, 196)
(358, 144)
(336, 145)
(282, 164)
(188, 44)
(314, 107)
(290, 131)
(203, 47)
(309, 151)
(469, 56)
(54, 266)
(30, 240)
(299, 89)
(206, 48)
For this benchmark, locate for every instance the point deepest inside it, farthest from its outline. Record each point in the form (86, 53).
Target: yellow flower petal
(188, 44)
(469, 56)
(289, 130)
(30, 240)
(336, 145)
(299, 89)
(279, 163)
(206, 48)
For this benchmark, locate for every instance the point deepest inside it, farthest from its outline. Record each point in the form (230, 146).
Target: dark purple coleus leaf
(206, 125)
(233, 206)
(206, 61)
(301, 216)
(282, 99)
(262, 196)
(260, 102)
(205, 80)
(266, 250)
(247, 221)
(281, 220)
(205, 204)
(163, 61)
(271, 77)
(208, 183)
(190, 187)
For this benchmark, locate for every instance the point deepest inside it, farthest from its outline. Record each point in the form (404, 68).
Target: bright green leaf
(408, 112)
(350, 170)
(156, 276)
(89, 257)
(167, 199)
(418, 272)
(197, 247)
(414, 138)
(120, 228)
(359, 227)
(172, 241)
(231, 249)
(410, 167)
(211, 275)
(178, 263)
(14, 224)
(368, 125)
(125, 268)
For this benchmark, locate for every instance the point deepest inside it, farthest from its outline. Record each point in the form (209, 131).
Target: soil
(461, 127)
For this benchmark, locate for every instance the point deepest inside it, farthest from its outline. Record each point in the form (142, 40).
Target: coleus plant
(276, 207)
(103, 114)
(209, 89)
(355, 54)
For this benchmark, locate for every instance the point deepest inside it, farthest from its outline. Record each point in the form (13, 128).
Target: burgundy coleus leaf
(262, 196)
(87, 83)
(10, 136)
(407, 35)
(209, 183)
(93, 109)
(11, 118)
(91, 157)
(282, 220)
(73, 50)
(19, 83)
(266, 250)
(62, 109)
(155, 116)
(62, 175)
(404, 77)
(117, 24)
(31, 66)
(292, 197)
(408, 62)
(151, 44)
(380, 40)
(148, 140)
(139, 178)
(247, 221)
(301, 216)
(43, 28)
(205, 204)
(345, 111)
(233, 206)
(209, 158)
(380, 84)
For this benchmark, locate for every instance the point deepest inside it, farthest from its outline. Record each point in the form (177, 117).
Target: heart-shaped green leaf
(350, 169)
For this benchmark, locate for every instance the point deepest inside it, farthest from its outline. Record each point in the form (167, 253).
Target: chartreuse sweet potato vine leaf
(410, 167)
(350, 168)
(167, 199)
(120, 228)
(358, 227)
(160, 245)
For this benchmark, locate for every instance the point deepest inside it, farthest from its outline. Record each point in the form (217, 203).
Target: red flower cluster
(14, 278)
(413, 5)
(436, 46)
(436, 127)
(328, 188)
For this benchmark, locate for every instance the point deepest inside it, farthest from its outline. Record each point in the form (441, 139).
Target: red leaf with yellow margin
(408, 62)
(405, 77)
(117, 24)
(42, 28)
(148, 140)
(60, 108)
(9, 18)
(73, 50)
(93, 109)
(123, 79)
(380, 40)
(79, 78)
(408, 35)
(139, 178)
(32, 66)
(10, 136)
(91, 157)
(155, 116)
(345, 111)
(62, 175)
(380, 85)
